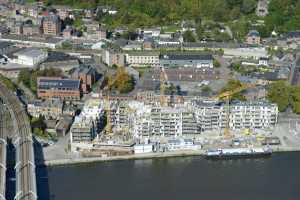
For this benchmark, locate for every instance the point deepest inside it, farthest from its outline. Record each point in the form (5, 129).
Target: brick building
(51, 25)
(56, 87)
(86, 75)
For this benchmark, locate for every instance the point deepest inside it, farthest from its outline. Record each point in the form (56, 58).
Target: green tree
(248, 6)
(122, 81)
(217, 64)
(206, 89)
(8, 83)
(279, 93)
(188, 36)
(295, 99)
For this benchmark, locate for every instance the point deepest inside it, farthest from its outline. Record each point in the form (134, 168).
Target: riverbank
(74, 161)
(71, 161)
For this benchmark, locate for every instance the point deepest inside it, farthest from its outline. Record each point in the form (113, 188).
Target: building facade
(165, 121)
(142, 59)
(243, 115)
(51, 25)
(112, 57)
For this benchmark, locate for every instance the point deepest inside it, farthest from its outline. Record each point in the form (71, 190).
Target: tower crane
(107, 106)
(163, 78)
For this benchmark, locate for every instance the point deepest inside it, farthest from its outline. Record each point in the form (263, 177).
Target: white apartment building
(165, 121)
(87, 124)
(93, 108)
(142, 58)
(253, 115)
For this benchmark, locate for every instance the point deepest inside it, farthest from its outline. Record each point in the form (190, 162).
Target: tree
(206, 89)
(8, 83)
(200, 32)
(122, 82)
(279, 93)
(295, 99)
(248, 6)
(188, 36)
(236, 67)
(217, 64)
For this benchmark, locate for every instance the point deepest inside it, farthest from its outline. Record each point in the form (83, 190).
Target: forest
(284, 15)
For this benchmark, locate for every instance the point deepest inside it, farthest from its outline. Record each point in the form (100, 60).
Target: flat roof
(142, 53)
(30, 52)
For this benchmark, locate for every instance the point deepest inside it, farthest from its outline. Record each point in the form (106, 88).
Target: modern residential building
(186, 60)
(87, 124)
(253, 37)
(142, 58)
(251, 115)
(51, 24)
(165, 121)
(197, 116)
(56, 87)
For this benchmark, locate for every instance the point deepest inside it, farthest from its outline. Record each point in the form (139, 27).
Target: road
(295, 72)
(22, 139)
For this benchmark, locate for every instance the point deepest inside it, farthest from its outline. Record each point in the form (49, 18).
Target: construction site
(149, 122)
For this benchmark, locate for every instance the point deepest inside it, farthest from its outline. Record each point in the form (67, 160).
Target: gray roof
(292, 34)
(52, 17)
(30, 52)
(45, 83)
(253, 33)
(84, 70)
(5, 44)
(186, 57)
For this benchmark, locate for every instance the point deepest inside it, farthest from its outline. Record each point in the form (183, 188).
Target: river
(185, 178)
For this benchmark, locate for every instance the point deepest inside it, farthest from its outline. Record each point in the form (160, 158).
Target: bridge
(22, 140)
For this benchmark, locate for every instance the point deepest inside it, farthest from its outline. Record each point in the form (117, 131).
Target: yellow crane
(163, 78)
(107, 106)
(227, 97)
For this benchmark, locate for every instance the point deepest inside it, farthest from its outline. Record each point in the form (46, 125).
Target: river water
(274, 178)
